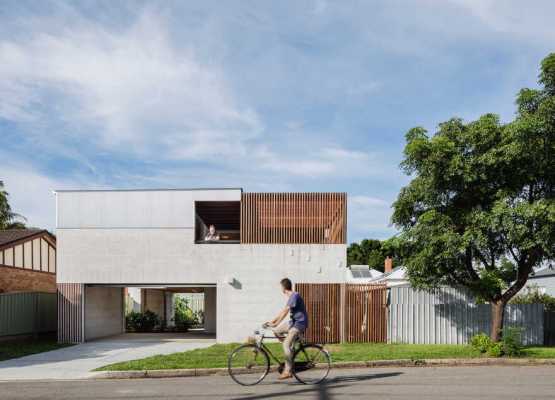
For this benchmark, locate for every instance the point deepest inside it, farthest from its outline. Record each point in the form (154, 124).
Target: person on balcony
(212, 235)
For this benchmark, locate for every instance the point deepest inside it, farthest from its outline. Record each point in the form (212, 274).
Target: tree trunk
(497, 313)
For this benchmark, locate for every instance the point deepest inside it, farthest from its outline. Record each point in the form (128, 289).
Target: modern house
(27, 261)
(109, 240)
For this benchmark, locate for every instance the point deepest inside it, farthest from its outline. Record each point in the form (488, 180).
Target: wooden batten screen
(70, 312)
(302, 218)
(322, 303)
(365, 313)
(345, 312)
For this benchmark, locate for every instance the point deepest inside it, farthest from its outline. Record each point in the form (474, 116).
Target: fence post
(342, 312)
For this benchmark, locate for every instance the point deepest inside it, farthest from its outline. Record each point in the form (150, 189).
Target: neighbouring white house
(158, 241)
(361, 274)
(390, 277)
(543, 280)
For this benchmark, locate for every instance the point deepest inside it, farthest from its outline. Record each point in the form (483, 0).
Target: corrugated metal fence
(451, 316)
(27, 313)
(549, 328)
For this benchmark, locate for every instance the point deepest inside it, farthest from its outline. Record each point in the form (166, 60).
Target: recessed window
(217, 221)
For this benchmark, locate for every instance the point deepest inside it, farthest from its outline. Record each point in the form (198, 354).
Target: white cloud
(369, 217)
(531, 20)
(132, 88)
(31, 194)
(321, 162)
(367, 201)
(132, 92)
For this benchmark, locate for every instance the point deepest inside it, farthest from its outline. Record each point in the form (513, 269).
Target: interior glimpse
(217, 221)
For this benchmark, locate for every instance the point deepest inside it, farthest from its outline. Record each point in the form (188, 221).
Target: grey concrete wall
(153, 300)
(134, 209)
(170, 308)
(210, 310)
(103, 312)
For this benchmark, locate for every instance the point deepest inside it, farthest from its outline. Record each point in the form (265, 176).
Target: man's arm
(280, 317)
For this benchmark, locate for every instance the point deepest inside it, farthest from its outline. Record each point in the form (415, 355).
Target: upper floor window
(217, 221)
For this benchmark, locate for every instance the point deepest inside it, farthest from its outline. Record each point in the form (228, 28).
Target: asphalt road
(428, 383)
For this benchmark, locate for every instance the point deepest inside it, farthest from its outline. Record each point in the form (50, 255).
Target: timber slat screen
(345, 312)
(70, 312)
(322, 303)
(365, 313)
(293, 218)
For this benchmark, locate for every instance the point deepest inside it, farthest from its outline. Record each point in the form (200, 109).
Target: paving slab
(77, 362)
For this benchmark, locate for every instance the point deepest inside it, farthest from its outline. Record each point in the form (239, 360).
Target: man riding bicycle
(295, 307)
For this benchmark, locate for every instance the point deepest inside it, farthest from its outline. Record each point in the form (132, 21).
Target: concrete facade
(147, 237)
(153, 300)
(210, 310)
(104, 312)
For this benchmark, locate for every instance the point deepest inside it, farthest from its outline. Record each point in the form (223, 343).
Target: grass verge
(24, 347)
(216, 356)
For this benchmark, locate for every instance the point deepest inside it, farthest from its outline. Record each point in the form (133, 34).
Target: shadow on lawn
(322, 390)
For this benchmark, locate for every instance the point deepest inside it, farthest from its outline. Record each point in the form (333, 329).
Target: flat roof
(143, 190)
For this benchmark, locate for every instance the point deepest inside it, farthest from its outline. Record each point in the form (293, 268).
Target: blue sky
(264, 95)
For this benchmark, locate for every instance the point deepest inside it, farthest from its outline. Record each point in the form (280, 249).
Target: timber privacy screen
(285, 218)
(339, 312)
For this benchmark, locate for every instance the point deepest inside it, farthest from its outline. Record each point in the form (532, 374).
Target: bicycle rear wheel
(311, 364)
(248, 364)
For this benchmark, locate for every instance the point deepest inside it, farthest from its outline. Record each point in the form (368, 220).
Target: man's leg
(292, 335)
(281, 330)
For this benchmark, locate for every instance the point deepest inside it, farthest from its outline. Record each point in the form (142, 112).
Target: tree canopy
(479, 211)
(371, 252)
(8, 219)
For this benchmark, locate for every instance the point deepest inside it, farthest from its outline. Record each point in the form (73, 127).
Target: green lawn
(20, 348)
(216, 356)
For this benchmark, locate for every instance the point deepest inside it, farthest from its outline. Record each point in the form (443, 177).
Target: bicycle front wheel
(248, 364)
(311, 364)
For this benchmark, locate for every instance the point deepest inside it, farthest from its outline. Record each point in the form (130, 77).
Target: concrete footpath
(431, 383)
(77, 362)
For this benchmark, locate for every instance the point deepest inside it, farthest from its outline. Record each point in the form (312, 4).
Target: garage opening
(181, 312)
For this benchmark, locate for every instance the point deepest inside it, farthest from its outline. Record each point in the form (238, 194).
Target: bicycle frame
(260, 344)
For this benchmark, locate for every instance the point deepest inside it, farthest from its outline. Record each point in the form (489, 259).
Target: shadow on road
(322, 390)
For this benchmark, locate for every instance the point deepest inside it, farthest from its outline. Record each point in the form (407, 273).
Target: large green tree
(371, 252)
(479, 211)
(8, 219)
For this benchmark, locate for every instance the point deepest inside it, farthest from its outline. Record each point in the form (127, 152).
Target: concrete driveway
(77, 362)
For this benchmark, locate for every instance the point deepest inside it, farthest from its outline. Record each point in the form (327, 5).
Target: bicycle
(249, 363)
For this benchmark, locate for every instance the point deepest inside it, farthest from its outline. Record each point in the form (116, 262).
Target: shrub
(496, 349)
(185, 318)
(142, 322)
(481, 342)
(512, 342)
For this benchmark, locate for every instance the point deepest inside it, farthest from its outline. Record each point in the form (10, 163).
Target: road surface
(442, 383)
